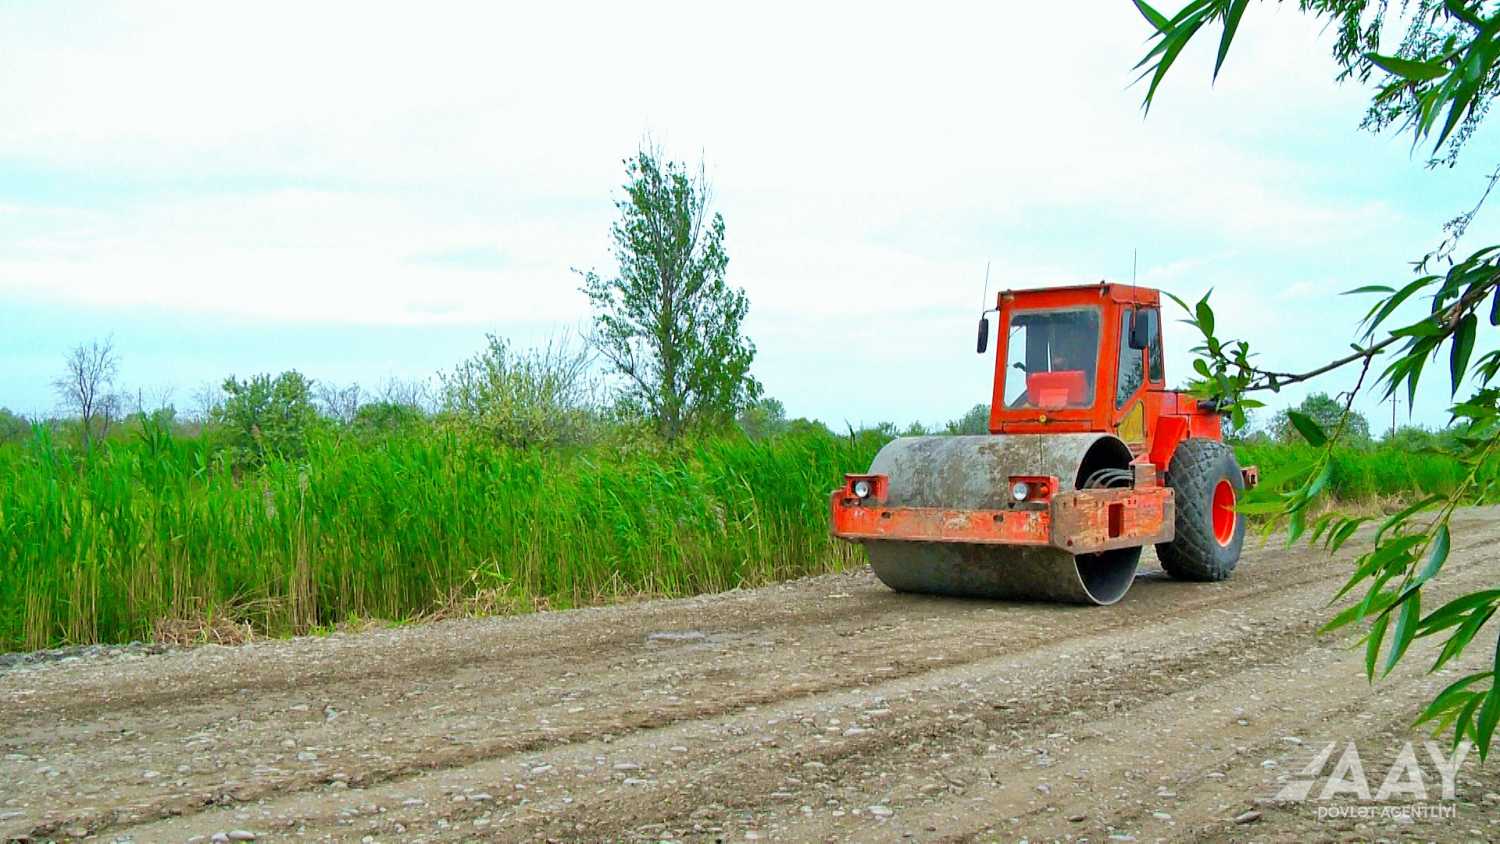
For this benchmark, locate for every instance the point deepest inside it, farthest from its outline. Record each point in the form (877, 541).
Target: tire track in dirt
(790, 648)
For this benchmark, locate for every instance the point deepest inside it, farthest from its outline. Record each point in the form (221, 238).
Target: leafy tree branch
(1436, 85)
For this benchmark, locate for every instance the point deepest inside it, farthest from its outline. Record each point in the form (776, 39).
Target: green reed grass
(101, 548)
(1363, 474)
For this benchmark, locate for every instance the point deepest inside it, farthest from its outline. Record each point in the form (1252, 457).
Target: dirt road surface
(824, 709)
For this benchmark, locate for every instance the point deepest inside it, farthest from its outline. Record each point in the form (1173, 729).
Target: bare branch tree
(411, 392)
(85, 386)
(111, 410)
(340, 404)
(208, 398)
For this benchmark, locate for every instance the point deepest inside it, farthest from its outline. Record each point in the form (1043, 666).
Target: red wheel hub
(1223, 513)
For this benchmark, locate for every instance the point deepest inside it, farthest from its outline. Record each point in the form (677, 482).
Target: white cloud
(316, 162)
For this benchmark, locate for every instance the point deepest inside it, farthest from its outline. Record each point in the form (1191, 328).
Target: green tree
(1414, 438)
(802, 426)
(762, 418)
(261, 417)
(384, 416)
(667, 323)
(975, 421)
(1327, 412)
(1436, 87)
(13, 428)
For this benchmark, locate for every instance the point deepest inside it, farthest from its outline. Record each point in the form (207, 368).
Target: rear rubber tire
(1198, 474)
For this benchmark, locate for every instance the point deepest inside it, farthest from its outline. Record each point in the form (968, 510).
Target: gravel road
(823, 709)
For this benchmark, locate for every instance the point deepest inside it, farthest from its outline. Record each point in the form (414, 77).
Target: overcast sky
(360, 193)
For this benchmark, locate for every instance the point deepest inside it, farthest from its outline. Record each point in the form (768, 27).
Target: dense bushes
(546, 396)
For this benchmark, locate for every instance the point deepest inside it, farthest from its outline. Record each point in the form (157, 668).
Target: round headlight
(1020, 490)
(862, 489)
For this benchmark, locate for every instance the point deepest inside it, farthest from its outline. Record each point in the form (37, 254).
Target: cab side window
(1132, 365)
(1153, 353)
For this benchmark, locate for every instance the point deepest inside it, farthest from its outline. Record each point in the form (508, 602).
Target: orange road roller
(1089, 458)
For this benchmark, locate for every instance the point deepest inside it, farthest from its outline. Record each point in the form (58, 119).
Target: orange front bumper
(1079, 522)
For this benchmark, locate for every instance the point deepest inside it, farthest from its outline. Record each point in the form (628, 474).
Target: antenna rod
(984, 303)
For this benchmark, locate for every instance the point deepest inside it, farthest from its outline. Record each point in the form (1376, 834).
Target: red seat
(1055, 390)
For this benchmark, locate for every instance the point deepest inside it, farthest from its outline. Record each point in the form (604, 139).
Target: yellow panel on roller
(1133, 424)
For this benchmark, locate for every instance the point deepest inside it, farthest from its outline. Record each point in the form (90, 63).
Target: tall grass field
(1362, 475)
(153, 529)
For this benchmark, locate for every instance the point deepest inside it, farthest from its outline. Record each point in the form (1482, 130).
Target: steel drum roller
(974, 473)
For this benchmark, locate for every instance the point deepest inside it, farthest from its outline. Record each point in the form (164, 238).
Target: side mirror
(984, 336)
(1141, 329)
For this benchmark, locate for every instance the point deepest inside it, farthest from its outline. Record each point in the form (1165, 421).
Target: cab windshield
(1050, 358)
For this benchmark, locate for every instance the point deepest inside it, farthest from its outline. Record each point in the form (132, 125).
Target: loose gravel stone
(1247, 817)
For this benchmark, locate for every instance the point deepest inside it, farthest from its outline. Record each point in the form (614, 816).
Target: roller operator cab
(1089, 458)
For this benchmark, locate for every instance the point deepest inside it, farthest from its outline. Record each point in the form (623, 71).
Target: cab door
(1131, 377)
